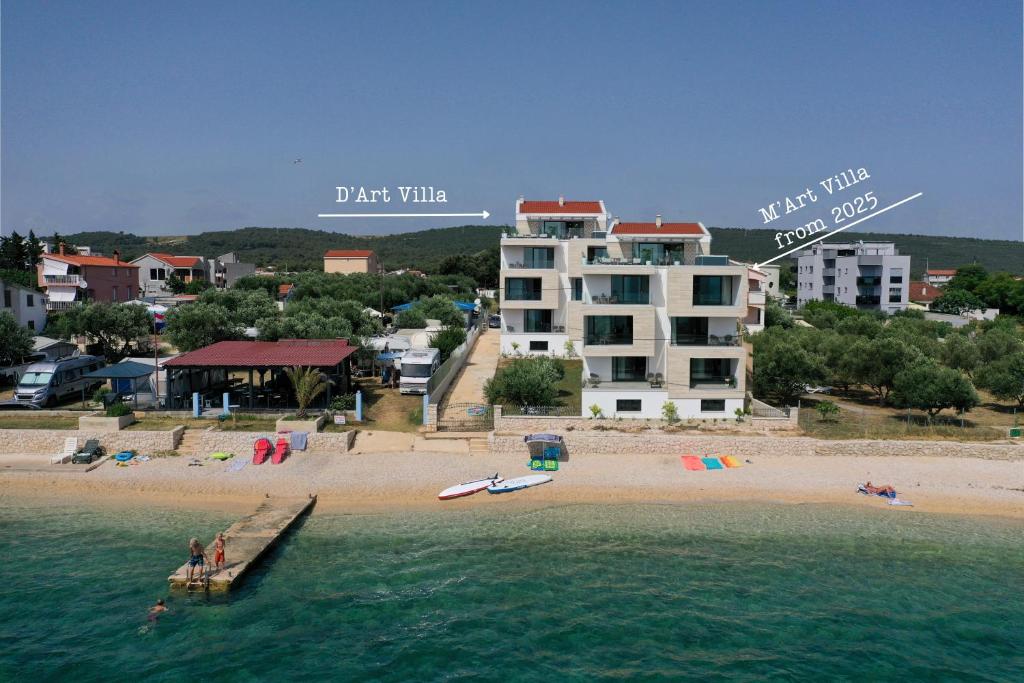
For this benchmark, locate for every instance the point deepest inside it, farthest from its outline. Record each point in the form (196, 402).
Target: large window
(537, 320)
(715, 371)
(539, 257)
(595, 254)
(712, 290)
(629, 369)
(631, 289)
(895, 295)
(628, 405)
(562, 230)
(522, 288)
(689, 331)
(577, 288)
(609, 329)
(157, 273)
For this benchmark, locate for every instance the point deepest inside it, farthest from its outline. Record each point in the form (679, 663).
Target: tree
(933, 388)
(827, 411)
(411, 319)
(776, 316)
(782, 366)
(197, 286)
(957, 302)
(193, 326)
(877, 362)
(33, 250)
(69, 248)
(175, 284)
(114, 326)
(999, 291)
(308, 383)
(998, 342)
(968, 278)
(13, 252)
(15, 340)
(1005, 378)
(959, 352)
(826, 314)
(447, 340)
(526, 382)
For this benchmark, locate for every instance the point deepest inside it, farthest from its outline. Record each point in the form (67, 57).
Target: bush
(670, 412)
(118, 410)
(827, 411)
(447, 340)
(97, 397)
(526, 382)
(343, 403)
(595, 411)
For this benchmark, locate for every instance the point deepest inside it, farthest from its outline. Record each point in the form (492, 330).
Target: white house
(27, 305)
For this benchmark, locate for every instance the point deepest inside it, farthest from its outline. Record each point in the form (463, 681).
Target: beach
(411, 480)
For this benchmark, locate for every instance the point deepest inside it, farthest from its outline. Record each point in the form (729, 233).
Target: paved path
(479, 367)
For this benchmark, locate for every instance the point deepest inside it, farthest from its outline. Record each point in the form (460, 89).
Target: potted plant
(308, 383)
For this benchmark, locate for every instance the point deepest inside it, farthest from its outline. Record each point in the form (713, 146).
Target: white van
(417, 367)
(43, 384)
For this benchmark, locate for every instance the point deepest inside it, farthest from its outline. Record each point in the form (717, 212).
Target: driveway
(480, 366)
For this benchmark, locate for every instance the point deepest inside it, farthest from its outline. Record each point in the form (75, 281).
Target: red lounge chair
(260, 451)
(280, 451)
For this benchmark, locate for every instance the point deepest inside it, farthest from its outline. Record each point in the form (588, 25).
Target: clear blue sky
(184, 117)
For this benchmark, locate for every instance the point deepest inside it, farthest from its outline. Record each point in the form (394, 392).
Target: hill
(301, 249)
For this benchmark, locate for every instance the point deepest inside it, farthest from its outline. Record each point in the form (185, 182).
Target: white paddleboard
(468, 488)
(518, 483)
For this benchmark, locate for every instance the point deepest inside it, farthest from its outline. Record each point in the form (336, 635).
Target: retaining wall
(51, 441)
(528, 424)
(754, 446)
(241, 442)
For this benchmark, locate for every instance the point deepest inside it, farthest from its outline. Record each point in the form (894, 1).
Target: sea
(737, 592)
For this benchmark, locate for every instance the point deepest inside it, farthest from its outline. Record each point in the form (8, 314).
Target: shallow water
(562, 593)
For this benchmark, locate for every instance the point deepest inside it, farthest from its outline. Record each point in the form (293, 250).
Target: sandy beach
(383, 481)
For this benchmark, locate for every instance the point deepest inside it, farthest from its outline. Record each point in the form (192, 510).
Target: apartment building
(27, 305)
(350, 261)
(156, 268)
(655, 317)
(865, 275)
(69, 279)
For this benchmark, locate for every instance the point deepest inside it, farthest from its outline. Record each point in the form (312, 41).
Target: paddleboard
(468, 488)
(518, 483)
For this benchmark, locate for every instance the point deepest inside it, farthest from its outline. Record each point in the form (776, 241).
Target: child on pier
(218, 554)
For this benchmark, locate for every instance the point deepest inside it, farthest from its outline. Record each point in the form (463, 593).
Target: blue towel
(712, 463)
(299, 441)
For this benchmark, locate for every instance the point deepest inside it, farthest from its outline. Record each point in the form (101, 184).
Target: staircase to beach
(189, 445)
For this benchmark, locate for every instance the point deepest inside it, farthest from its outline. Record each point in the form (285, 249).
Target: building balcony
(604, 384)
(536, 329)
(619, 300)
(530, 265)
(706, 340)
(869, 281)
(66, 280)
(755, 298)
(713, 383)
(61, 305)
(863, 300)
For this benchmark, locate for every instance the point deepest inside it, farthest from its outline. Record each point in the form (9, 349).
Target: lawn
(28, 421)
(386, 409)
(570, 387)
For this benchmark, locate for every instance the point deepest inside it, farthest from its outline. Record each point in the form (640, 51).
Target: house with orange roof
(70, 279)
(938, 276)
(347, 261)
(156, 268)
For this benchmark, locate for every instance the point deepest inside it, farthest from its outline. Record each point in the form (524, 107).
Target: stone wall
(51, 441)
(753, 446)
(530, 424)
(241, 442)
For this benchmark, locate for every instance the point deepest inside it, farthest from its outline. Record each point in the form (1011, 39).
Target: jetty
(247, 540)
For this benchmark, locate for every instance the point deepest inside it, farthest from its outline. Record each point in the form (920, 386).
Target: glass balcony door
(712, 290)
(689, 331)
(538, 257)
(522, 289)
(716, 371)
(629, 369)
(631, 289)
(537, 320)
(609, 329)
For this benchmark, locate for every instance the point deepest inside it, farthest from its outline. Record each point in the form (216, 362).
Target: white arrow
(818, 239)
(482, 214)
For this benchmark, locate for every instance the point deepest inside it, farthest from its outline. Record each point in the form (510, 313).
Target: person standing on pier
(218, 552)
(197, 557)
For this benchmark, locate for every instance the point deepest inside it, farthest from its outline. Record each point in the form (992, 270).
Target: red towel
(693, 463)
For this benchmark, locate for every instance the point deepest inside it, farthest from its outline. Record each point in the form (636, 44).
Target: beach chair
(70, 446)
(92, 450)
(280, 451)
(261, 450)
(551, 454)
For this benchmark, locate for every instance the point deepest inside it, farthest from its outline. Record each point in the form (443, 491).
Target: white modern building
(27, 305)
(865, 275)
(655, 317)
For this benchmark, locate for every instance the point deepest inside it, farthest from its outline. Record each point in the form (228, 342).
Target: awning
(126, 370)
(542, 438)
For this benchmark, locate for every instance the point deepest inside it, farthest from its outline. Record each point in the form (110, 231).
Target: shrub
(343, 402)
(447, 340)
(118, 409)
(827, 411)
(670, 412)
(97, 397)
(595, 411)
(526, 382)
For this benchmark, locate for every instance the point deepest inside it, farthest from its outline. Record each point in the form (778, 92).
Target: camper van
(43, 384)
(417, 367)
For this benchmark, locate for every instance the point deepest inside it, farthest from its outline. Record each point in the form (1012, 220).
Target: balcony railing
(626, 299)
(705, 340)
(608, 340)
(538, 329)
(868, 300)
(712, 382)
(542, 265)
(869, 280)
(72, 280)
(61, 305)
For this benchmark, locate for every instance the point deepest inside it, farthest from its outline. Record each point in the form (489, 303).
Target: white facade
(653, 315)
(28, 306)
(871, 276)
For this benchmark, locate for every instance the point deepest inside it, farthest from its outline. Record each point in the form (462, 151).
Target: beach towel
(906, 503)
(536, 464)
(730, 461)
(693, 463)
(711, 463)
(299, 441)
(550, 465)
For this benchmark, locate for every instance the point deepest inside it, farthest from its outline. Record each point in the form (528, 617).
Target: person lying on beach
(218, 553)
(884, 490)
(197, 556)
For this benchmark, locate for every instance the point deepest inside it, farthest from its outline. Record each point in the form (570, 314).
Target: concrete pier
(246, 541)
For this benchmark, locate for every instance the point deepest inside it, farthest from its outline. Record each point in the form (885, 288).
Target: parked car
(43, 384)
(494, 321)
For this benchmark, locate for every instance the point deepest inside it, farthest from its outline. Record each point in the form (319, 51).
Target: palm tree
(308, 384)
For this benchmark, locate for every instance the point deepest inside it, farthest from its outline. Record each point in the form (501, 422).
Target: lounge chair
(595, 379)
(280, 451)
(92, 450)
(650, 378)
(658, 379)
(260, 451)
(70, 446)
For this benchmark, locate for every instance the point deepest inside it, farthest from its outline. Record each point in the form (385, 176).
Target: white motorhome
(417, 367)
(43, 384)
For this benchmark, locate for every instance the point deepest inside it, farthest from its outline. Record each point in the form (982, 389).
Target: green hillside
(301, 249)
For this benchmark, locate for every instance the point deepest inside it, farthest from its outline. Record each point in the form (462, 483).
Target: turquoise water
(563, 593)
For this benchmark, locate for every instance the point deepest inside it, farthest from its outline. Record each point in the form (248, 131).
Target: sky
(177, 118)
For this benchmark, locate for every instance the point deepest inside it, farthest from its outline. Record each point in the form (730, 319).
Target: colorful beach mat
(712, 463)
(730, 461)
(693, 463)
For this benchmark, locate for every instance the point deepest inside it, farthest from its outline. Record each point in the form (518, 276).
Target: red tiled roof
(177, 261)
(942, 271)
(555, 207)
(284, 289)
(89, 260)
(924, 292)
(348, 253)
(652, 229)
(284, 353)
